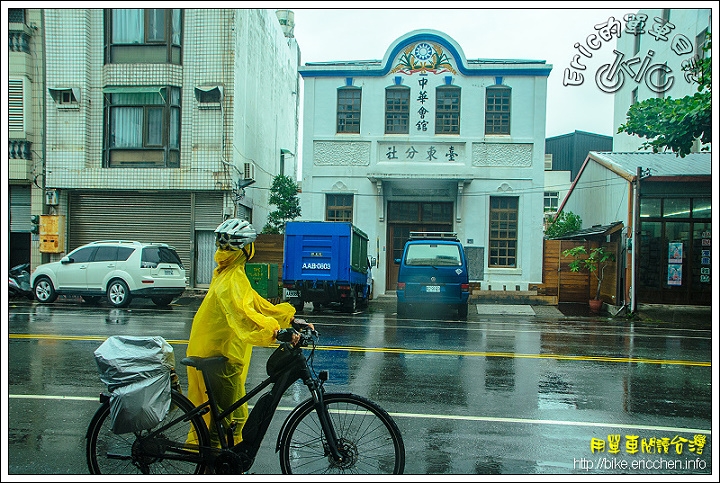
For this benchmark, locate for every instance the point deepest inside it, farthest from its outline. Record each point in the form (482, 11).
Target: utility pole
(635, 235)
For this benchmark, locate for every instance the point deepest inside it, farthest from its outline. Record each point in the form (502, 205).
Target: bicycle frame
(247, 448)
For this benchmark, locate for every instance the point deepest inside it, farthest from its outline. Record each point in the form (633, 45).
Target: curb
(682, 315)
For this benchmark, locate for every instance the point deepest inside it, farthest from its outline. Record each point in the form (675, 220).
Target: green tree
(675, 124)
(596, 263)
(566, 222)
(284, 195)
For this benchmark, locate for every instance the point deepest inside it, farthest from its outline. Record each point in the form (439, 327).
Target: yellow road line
(390, 350)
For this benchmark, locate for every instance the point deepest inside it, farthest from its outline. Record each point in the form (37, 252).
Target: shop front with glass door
(674, 262)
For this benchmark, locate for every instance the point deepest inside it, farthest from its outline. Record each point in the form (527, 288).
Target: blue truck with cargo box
(326, 262)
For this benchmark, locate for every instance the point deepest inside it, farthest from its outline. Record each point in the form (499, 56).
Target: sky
(549, 34)
(325, 35)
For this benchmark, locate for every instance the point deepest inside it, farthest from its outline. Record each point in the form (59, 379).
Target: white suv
(116, 269)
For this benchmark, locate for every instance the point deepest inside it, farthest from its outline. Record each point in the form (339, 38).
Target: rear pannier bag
(136, 371)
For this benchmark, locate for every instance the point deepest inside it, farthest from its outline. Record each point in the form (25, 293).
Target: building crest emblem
(423, 57)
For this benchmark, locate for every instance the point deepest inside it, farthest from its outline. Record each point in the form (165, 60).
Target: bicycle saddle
(203, 363)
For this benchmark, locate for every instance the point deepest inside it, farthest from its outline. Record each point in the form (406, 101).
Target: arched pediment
(424, 51)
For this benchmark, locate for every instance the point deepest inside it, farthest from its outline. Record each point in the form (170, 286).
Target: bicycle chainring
(230, 463)
(145, 452)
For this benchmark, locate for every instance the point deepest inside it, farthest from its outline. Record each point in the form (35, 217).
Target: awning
(55, 92)
(213, 93)
(135, 90)
(132, 90)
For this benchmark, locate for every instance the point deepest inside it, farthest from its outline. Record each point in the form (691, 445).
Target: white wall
(485, 165)
(265, 103)
(600, 197)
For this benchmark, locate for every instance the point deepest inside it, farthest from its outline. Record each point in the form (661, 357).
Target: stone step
(526, 297)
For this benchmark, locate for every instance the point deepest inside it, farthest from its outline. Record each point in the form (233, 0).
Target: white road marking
(550, 422)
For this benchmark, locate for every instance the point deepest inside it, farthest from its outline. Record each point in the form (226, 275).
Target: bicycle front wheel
(174, 451)
(367, 437)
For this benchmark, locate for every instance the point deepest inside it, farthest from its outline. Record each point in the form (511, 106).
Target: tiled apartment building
(25, 130)
(160, 122)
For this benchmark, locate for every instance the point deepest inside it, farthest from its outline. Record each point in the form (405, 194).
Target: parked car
(116, 269)
(433, 271)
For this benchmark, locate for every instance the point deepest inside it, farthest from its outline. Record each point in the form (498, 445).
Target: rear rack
(433, 235)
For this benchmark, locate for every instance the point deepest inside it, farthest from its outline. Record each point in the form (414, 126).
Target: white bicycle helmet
(234, 234)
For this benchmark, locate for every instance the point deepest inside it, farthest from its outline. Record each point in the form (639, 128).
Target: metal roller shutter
(208, 210)
(208, 215)
(20, 209)
(132, 215)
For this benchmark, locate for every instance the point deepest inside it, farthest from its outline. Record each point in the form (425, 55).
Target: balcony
(20, 164)
(19, 41)
(19, 149)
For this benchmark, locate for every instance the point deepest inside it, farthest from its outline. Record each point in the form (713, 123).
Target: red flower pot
(595, 305)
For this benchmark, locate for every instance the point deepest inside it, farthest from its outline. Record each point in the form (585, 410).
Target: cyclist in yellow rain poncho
(232, 319)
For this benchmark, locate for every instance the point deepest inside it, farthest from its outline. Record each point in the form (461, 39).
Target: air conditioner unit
(548, 162)
(249, 171)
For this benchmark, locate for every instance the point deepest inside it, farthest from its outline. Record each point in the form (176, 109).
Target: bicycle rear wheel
(120, 454)
(367, 436)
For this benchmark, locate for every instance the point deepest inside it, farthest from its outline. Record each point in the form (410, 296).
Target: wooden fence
(269, 249)
(568, 286)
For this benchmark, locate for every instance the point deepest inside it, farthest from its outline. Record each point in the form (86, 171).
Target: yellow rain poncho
(232, 319)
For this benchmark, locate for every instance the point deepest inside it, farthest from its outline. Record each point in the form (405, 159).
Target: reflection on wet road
(505, 395)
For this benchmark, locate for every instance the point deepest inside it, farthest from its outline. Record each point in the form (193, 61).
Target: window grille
(397, 110)
(339, 207)
(497, 110)
(503, 231)
(447, 110)
(348, 110)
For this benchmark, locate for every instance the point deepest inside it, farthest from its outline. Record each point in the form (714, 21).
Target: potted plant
(595, 262)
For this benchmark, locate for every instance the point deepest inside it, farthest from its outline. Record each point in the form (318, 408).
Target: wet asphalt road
(501, 395)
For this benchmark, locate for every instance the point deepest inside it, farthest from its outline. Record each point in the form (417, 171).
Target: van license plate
(168, 272)
(433, 288)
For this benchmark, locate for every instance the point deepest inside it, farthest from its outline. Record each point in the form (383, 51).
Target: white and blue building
(428, 140)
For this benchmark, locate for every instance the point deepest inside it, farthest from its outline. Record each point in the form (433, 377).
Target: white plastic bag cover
(137, 373)
(140, 405)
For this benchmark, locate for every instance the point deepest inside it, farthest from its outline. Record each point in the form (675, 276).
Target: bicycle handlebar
(299, 324)
(301, 327)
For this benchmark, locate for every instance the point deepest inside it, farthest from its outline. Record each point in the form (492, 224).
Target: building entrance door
(404, 217)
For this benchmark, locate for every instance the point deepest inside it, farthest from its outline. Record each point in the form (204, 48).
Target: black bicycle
(328, 433)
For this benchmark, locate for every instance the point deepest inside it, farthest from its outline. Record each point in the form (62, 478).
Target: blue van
(434, 271)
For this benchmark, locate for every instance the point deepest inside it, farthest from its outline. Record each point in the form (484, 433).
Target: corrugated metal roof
(504, 61)
(344, 63)
(593, 231)
(469, 62)
(660, 164)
